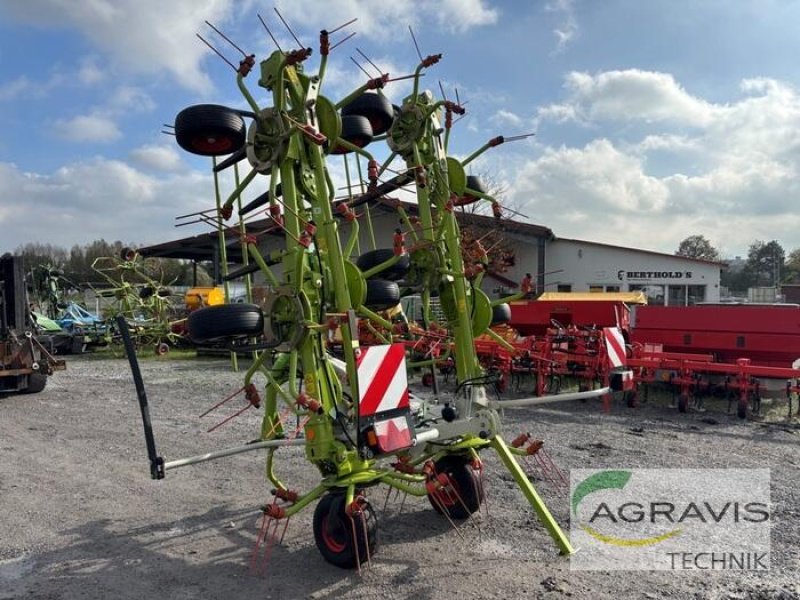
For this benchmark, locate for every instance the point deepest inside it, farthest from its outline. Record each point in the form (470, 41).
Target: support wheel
(464, 494)
(342, 540)
(210, 130)
(225, 321)
(631, 398)
(683, 403)
(36, 383)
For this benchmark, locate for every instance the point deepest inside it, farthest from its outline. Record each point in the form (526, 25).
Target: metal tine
(377, 68)
(350, 22)
(441, 88)
(285, 24)
(416, 45)
(274, 41)
(342, 41)
(220, 403)
(172, 133)
(217, 52)
(363, 70)
(268, 538)
(227, 39)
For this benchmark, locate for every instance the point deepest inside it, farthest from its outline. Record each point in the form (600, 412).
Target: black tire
(375, 257)
(127, 254)
(210, 130)
(683, 403)
(376, 108)
(501, 314)
(631, 398)
(382, 294)
(356, 130)
(344, 541)
(474, 183)
(225, 321)
(36, 383)
(468, 495)
(741, 408)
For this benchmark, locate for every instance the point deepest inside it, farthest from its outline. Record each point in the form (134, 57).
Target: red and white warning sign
(382, 380)
(615, 346)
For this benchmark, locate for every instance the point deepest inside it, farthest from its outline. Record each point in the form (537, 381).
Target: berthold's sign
(623, 274)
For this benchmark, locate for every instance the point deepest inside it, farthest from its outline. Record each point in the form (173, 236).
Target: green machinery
(359, 427)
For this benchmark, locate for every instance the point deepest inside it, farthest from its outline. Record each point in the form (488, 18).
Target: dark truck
(25, 364)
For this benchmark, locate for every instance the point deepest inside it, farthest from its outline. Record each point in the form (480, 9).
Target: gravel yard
(81, 517)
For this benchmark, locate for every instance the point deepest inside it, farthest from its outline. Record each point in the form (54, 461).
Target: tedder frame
(358, 424)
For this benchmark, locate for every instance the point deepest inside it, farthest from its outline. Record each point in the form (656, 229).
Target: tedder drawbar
(358, 424)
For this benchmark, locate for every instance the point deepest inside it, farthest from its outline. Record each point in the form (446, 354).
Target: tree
(697, 246)
(791, 273)
(765, 263)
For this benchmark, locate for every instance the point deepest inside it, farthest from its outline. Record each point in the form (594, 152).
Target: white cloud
(144, 36)
(159, 158)
(89, 73)
(461, 15)
(11, 90)
(128, 98)
(567, 30)
(506, 117)
(98, 198)
(388, 20)
(88, 128)
(630, 95)
(742, 158)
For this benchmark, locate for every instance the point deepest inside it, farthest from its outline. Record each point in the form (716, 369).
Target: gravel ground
(81, 518)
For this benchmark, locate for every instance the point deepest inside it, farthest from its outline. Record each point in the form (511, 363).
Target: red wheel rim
(330, 540)
(210, 143)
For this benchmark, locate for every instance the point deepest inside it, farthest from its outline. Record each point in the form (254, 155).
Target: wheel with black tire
(127, 254)
(476, 184)
(375, 107)
(343, 540)
(683, 403)
(382, 294)
(631, 398)
(356, 130)
(741, 408)
(36, 383)
(501, 314)
(210, 130)
(463, 494)
(225, 321)
(375, 257)
(162, 349)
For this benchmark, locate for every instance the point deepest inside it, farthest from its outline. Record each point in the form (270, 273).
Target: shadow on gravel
(205, 556)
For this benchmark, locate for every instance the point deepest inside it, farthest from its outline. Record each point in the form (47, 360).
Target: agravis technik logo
(612, 480)
(671, 519)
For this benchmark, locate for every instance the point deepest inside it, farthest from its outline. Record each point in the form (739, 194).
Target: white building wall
(577, 265)
(587, 266)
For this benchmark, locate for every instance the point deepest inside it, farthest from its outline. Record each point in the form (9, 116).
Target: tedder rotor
(359, 425)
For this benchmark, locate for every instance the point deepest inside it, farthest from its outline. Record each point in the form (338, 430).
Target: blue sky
(654, 120)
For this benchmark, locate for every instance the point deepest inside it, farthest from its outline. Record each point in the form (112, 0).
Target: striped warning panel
(615, 346)
(382, 381)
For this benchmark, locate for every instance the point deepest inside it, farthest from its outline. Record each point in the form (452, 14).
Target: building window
(595, 288)
(686, 295)
(564, 287)
(697, 293)
(677, 295)
(654, 292)
(612, 288)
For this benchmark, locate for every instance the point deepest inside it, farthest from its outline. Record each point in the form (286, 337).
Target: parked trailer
(607, 309)
(24, 363)
(768, 335)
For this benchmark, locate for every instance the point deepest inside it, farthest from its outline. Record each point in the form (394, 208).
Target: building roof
(204, 246)
(652, 252)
